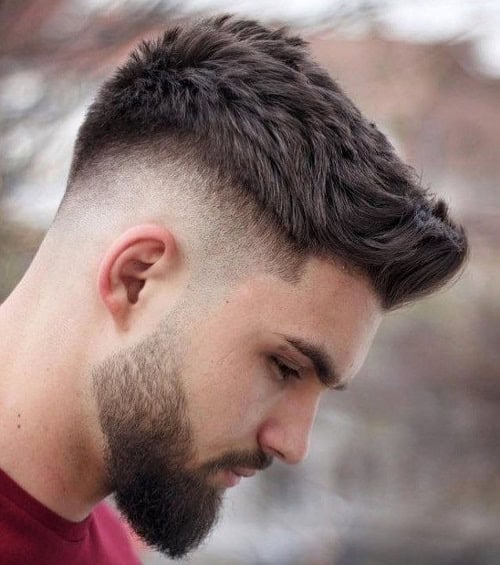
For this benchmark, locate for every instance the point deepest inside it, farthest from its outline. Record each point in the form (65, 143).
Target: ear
(140, 256)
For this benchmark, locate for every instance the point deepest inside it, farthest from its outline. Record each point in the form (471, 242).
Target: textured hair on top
(258, 112)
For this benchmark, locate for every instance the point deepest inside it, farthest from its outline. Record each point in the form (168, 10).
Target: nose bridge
(292, 427)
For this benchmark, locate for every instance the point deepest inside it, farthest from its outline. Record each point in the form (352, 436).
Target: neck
(46, 416)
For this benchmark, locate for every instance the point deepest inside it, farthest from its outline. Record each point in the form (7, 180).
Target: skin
(72, 311)
(327, 307)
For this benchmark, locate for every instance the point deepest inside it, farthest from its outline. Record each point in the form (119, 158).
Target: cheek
(230, 404)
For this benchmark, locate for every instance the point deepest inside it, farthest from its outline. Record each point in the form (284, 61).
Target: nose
(286, 432)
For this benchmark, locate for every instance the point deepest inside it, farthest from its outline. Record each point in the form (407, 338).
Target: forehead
(330, 307)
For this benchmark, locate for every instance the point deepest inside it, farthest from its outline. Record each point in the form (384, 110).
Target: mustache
(257, 461)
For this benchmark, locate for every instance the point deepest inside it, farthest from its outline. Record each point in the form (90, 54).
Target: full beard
(149, 447)
(172, 511)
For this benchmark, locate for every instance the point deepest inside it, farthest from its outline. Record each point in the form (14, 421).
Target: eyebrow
(322, 362)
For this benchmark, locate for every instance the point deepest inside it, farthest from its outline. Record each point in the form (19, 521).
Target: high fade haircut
(248, 106)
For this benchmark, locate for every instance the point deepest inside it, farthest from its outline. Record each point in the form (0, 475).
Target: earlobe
(141, 254)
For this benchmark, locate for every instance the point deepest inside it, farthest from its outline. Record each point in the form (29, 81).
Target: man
(232, 232)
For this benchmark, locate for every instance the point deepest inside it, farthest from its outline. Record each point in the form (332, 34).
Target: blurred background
(405, 466)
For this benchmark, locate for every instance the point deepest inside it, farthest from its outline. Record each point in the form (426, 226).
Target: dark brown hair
(259, 112)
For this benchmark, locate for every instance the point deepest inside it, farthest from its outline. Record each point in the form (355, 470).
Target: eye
(285, 370)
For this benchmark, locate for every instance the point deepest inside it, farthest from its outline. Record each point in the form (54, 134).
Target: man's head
(244, 227)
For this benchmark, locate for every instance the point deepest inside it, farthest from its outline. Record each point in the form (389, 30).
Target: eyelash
(286, 371)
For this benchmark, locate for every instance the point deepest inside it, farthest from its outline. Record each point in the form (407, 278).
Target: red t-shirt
(31, 533)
